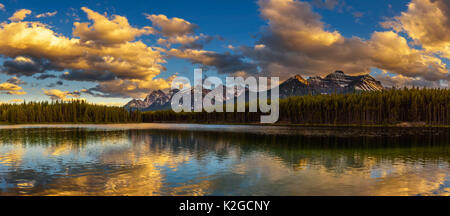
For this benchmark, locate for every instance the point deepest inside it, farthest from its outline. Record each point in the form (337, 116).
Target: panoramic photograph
(254, 98)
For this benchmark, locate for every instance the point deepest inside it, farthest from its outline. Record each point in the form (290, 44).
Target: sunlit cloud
(20, 15)
(9, 87)
(178, 31)
(107, 31)
(427, 22)
(103, 51)
(171, 26)
(297, 42)
(16, 93)
(121, 61)
(56, 94)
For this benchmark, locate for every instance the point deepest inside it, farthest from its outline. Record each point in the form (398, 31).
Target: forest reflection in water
(223, 160)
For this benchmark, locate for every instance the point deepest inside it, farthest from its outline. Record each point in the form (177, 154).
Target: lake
(192, 159)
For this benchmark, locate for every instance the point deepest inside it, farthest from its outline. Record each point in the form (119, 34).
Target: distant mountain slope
(156, 100)
(337, 82)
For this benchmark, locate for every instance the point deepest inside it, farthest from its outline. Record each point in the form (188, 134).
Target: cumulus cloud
(128, 88)
(178, 31)
(25, 66)
(56, 94)
(427, 22)
(107, 31)
(296, 41)
(171, 26)
(189, 41)
(106, 50)
(9, 87)
(391, 52)
(20, 15)
(48, 14)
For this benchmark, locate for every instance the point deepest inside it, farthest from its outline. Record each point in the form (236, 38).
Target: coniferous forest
(75, 111)
(423, 106)
(388, 107)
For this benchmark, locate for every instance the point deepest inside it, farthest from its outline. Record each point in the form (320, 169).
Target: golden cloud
(173, 26)
(9, 87)
(20, 15)
(105, 52)
(297, 41)
(17, 93)
(178, 31)
(57, 94)
(391, 52)
(427, 22)
(107, 31)
(130, 87)
(297, 25)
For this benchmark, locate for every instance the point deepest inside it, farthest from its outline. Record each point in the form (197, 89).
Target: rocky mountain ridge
(337, 82)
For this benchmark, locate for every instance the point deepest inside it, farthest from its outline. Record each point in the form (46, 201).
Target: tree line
(75, 111)
(425, 106)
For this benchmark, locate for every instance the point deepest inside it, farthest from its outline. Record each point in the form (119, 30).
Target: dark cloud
(45, 76)
(15, 81)
(88, 75)
(228, 63)
(25, 66)
(58, 83)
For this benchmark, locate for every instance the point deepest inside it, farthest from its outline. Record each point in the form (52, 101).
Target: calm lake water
(189, 159)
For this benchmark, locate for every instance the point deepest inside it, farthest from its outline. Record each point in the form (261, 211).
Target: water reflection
(223, 160)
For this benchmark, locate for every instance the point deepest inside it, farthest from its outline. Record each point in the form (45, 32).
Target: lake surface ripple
(191, 159)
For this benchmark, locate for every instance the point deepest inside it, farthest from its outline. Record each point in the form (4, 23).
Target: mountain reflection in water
(165, 159)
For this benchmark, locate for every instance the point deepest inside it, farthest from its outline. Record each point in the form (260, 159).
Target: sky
(108, 52)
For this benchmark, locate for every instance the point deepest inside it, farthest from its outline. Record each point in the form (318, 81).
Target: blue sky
(231, 22)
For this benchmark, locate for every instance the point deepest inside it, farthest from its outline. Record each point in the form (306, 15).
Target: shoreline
(399, 125)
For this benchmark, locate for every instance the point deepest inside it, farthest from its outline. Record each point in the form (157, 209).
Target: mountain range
(337, 82)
